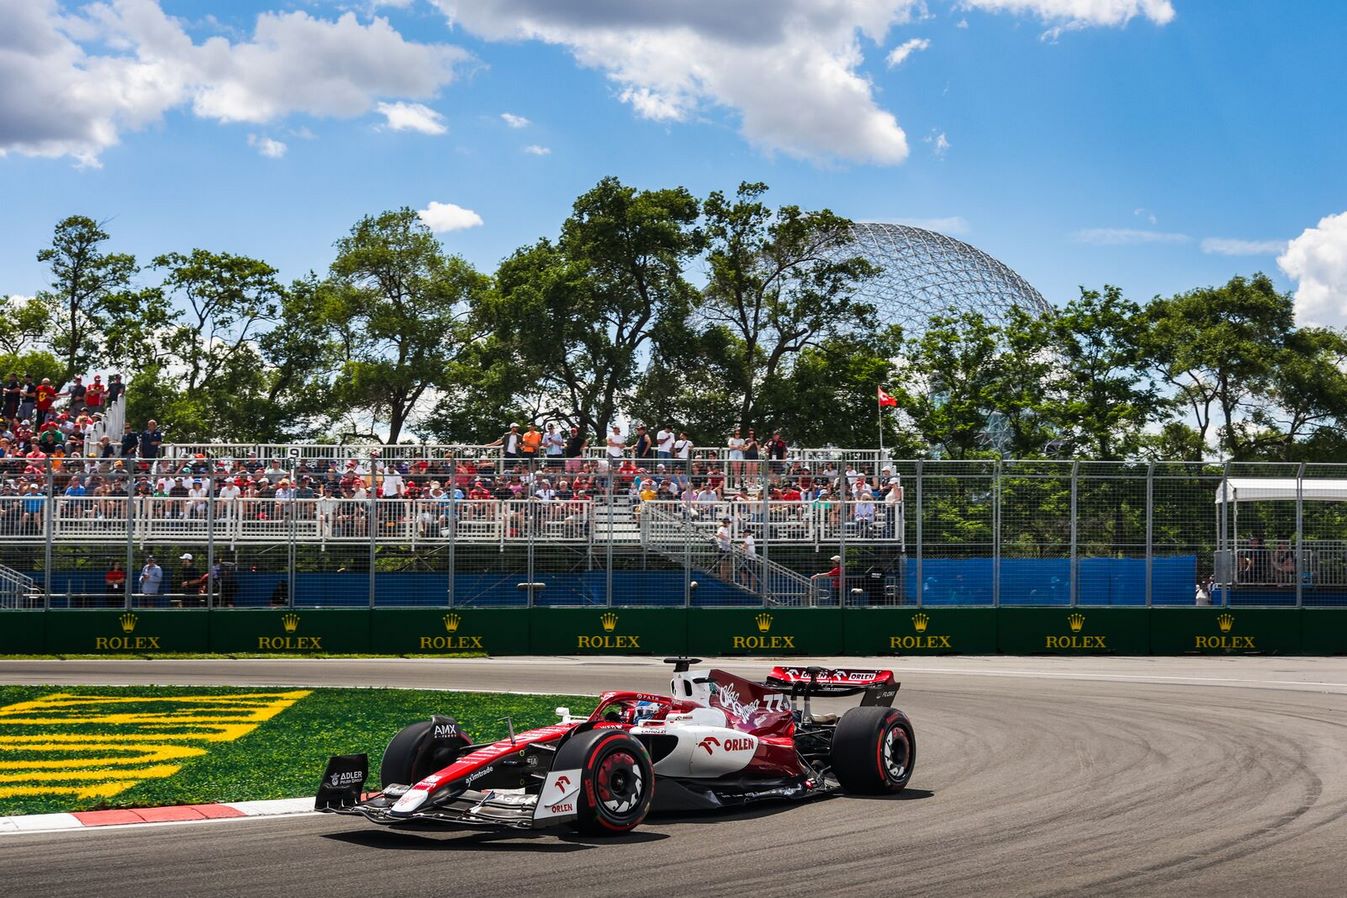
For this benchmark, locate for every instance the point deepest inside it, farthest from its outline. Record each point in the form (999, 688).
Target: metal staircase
(17, 590)
(691, 541)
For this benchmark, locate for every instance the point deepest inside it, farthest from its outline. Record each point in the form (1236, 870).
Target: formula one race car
(717, 741)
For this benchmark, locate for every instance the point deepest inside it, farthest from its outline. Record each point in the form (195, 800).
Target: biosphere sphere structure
(924, 273)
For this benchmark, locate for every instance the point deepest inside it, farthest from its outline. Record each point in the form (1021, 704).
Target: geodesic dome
(925, 273)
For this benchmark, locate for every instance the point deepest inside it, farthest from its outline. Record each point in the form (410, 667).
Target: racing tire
(413, 754)
(874, 751)
(617, 780)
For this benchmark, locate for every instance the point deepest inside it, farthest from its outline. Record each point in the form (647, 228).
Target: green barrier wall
(282, 631)
(924, 631)
(119, 632)
(755, 631)
(671, 631)
(608, 631)
(1073, 631)
(457, 631)
(1216, 631)
(1323, 631)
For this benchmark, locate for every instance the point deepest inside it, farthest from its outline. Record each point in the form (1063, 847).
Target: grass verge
(89, 747)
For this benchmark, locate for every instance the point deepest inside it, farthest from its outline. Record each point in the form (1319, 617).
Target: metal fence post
(1150, 534)
(372, 521)
(612, 513)
(48, 522)
(1075, 561)
(996, 533)
(1300, 536)
(920, 584)
(130, 535)
(211, 579)
(453, 523)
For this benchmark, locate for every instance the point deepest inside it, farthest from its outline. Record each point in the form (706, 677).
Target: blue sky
(1158, 145)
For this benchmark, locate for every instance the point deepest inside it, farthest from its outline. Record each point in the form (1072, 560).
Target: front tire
(874, 751)
(617, 780)
(413, 754)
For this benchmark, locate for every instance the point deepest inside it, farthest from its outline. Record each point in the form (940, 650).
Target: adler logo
(345, 779)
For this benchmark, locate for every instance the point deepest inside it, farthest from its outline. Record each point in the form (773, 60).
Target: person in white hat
(833, 579)
(190, 582)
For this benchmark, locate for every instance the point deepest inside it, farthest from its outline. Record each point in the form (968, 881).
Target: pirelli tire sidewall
(617, 780)
(874, 751)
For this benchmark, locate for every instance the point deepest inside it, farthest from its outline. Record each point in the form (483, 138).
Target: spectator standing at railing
(130, 442)
(13, 390)
(116, 389)
(151, 576)
(576, 444)
(617, 446)
(645, 446)
(530, 443)
(151, 438)
(114, 581)
(94, 395)
(196, 500)
(554, 446)
(682, 449)
(46, 395)
(893, 500)
(664, 442)
(735, 446)
(751, 453)
(77, 393)
(509, 442)
(776, 451)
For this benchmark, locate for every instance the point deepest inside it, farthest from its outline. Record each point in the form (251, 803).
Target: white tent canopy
(1271, 489)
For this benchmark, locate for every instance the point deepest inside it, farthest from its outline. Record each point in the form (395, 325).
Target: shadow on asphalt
(544, 842)
(772, 808)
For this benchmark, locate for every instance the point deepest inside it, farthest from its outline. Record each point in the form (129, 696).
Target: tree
(1217, 347)
(578, 313)
(1099, 397)
(1307, 393)
(399, 311)
(780, 282)
(88, 292)
(25, 324)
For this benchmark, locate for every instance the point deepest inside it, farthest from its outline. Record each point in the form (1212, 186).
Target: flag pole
(879, 414)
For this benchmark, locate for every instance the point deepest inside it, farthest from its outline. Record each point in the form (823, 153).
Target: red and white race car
(718, 740)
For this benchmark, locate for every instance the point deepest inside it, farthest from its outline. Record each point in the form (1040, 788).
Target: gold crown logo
(451, 622)
(609, 621)
(1225, 622)
(128, 622)
(1076, 622)
(920, 622)
(290, 622)
(764, 622)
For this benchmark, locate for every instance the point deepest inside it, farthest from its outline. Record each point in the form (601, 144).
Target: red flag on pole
(885, 400)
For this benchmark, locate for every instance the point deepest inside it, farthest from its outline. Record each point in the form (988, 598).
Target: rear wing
(879, 686)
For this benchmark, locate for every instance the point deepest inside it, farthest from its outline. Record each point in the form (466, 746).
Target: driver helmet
(644, 711)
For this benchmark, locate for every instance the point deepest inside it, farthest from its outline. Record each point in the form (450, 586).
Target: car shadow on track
(772, 808)
(543, 841)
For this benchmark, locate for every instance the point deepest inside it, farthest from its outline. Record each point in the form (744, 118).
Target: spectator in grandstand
(682, 449)
(664, 441)
(746, 561)
(554, 446)
(752, 451)
(724, 541)
(76, 393)
(274, 472)
(776, 451)
(530, 443)
(191, 583)
(576, 444)
(114, 581)
(864, 513)
(617, 446)
(27, 398)
(95, 394)
(46, 395)
(893, 500)
(735, 447)
(196, 499)
(151, 438)
(829, 583)
(151, 576)
(509, 442)
(130, 442)
(645, 446)
(34, 509)
(116, 389)
(9, 407)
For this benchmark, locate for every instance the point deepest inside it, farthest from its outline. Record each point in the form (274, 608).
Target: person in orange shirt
(530, 442)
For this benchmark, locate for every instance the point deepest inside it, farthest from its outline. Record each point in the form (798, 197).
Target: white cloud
(1317, 261)
(1068, 15)
(1143, 212)
(1226, 246)
(939, 143)
(534, 149)
(1126, 237)
(72, 81)
(514, 121)
(789, 70)
(412, 117)
(272, 149)
(952, 225)
(899, 54)
(441, 217)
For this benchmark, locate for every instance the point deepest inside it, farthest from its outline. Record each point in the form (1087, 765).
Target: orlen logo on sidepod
(711, 743)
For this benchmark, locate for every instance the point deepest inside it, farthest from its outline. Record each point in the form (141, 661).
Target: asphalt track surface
(1047, 777)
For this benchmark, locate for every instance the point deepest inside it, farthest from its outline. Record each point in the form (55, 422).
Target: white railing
(15, 589)
(1322, 563)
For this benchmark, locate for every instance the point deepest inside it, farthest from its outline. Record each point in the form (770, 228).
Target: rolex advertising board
(919, 631)
(608, 631)
(286, 631)
(1085, 630)
(450, 631)
(1221, 631)
(765, 631)
(138, 631)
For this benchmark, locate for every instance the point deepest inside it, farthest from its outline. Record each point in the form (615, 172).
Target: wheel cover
(895, 754)
(620, 784)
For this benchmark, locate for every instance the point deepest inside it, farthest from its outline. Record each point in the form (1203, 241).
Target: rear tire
(617, 780)
(412, 755)
(874, 751)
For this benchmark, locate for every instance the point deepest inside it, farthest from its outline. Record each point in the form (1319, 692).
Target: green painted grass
(283, 757)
